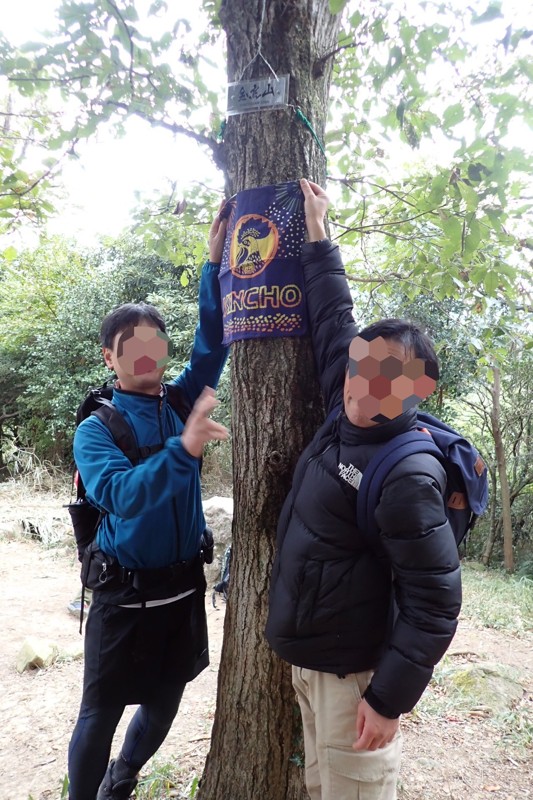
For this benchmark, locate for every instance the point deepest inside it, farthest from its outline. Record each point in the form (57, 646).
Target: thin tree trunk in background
(502, 474)
(494, 527)
(3, 469)
(276, 409)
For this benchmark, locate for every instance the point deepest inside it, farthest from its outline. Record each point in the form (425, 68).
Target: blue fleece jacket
(155, 515)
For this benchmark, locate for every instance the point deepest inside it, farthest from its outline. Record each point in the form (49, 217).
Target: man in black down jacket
(357, 666)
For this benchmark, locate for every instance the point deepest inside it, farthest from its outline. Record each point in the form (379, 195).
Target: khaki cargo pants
(333, 770)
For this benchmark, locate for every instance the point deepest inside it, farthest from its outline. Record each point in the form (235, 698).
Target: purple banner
(261, 280)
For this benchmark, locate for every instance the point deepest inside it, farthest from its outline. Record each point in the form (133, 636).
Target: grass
(63, 790)
(31, 473)
(490, 600)
(165, 781)
(494, 600)
(444, 701)
(37, 514)
(516, 728)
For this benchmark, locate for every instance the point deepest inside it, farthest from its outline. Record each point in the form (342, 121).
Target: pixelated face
(383, 381)
(142, 349)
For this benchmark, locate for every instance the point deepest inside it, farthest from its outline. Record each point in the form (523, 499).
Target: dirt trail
(445, 758)
(38, 709)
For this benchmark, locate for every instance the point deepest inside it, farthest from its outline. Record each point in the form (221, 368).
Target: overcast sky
(102, 184)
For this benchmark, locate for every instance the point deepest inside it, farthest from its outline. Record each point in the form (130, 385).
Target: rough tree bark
(276, 407)
(501, 462)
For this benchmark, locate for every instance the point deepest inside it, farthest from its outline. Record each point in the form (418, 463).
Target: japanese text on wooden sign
(261, 93)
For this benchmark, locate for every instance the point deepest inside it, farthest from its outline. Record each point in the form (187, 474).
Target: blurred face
(139, 356)
(383, 381)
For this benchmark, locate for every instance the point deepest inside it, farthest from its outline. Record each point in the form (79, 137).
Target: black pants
(133, 656)
(90, 745)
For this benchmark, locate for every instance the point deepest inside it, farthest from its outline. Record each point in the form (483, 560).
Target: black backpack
(222, 587)
(84, 516)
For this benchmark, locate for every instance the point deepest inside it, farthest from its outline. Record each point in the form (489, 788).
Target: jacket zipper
(174, 509)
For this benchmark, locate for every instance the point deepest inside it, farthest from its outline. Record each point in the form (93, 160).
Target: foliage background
(429, 162)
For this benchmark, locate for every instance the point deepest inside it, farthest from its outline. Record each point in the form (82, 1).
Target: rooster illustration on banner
(261, 278)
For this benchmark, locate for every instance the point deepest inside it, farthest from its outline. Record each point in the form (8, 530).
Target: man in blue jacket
(146, 633)
(355, 667)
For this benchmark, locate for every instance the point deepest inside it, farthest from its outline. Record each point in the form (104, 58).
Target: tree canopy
(446, 88)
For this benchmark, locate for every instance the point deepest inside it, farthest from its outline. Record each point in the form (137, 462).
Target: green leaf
(526, 67)
(22, 63)
(356, 19)
(425, 44)
(495, 217)
(456, 52)
(336, 6)
(472, 238)
(453, 230)
(438, 190)
(469, 195)
(123, 35)
(395, 59)
(453, 115)
(10, 253)
(493, 11)
(491, 282)
(378, 34)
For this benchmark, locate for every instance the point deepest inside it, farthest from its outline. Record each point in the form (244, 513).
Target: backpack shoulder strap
(377, 470)
(92, 401)
(119, 428)
(122, 433)
(177, 401)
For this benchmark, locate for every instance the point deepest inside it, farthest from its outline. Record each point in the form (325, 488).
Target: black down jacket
(332, 589)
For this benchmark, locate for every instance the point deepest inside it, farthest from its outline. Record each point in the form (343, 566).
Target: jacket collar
(137, 402)
(352, 434)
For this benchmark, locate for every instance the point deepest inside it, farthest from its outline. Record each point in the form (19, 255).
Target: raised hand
(199, 428)
(217, 235)
(316, 205)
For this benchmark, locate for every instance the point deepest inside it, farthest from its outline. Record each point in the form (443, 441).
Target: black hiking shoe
(118, 790)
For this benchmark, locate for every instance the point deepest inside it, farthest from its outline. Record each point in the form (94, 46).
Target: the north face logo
(350, 474)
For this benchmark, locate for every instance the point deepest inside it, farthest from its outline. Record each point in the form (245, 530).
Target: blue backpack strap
(394, 451)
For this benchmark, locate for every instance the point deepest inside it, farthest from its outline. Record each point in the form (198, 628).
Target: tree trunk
(494, 523)
(3, 469)
(501, 462)
(256, 740)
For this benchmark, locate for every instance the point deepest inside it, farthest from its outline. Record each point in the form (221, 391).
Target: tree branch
(320, 63)
(49, 172)
(121, 19)
(347, 182)
(55, 80)
(216, 148)
(5, 416)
